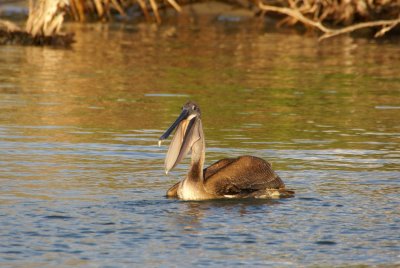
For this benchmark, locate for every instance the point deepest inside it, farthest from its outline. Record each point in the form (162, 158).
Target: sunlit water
(82, 181)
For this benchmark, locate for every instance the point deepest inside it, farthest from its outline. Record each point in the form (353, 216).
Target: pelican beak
(181, 117)
(187, 133)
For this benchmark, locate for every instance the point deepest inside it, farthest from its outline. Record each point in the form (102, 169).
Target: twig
(387, 28)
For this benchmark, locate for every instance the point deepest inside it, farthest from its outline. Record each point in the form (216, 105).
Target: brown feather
(242, 175)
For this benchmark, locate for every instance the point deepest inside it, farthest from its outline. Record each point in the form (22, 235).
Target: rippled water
(82, 180)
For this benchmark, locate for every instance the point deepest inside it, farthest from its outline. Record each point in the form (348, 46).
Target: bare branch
(387, 26)
(294, 13)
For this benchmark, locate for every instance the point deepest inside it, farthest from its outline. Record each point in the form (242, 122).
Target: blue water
(82, 181)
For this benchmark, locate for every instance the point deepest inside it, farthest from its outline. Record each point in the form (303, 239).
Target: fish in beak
(188, 132)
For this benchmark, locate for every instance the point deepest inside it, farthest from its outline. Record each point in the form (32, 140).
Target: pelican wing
(217, 166)
(242, 175)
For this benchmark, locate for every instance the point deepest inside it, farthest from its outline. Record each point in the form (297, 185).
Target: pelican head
(188, 132)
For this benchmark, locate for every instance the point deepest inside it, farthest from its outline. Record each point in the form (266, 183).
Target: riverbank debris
(43, 27)
(352, 15)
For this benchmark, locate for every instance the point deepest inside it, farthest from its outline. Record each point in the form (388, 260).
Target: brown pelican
(242, 177)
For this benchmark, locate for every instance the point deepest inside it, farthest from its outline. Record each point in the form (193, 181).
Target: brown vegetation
(353, 14)
(80, 9)
(343, 16)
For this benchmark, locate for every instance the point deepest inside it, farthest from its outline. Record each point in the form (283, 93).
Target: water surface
(82, 181)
